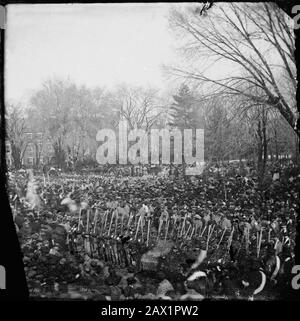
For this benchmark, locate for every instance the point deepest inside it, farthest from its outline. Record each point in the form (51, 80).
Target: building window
(8, 150)
(30, 149)
(30, 160)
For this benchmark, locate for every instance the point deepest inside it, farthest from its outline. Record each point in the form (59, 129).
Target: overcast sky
(93, 44)
(96, 45)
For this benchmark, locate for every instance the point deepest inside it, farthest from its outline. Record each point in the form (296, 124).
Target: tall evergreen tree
(183, 111)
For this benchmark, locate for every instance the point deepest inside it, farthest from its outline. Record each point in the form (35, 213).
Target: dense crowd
(228, 233)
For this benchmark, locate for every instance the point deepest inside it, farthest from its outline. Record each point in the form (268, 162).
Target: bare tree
(139, 106)
(63, 109)
(16, 132)
(52, 105)
(256, 38)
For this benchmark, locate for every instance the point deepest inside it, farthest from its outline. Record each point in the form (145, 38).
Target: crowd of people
(245, 226)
